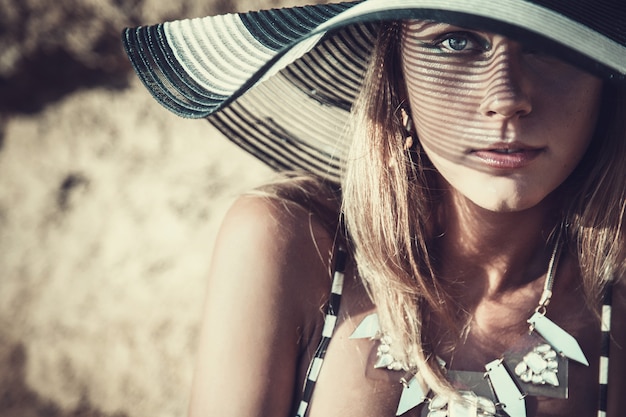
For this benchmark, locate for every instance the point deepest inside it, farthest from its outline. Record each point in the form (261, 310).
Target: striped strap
(604, 353)
(329, 326)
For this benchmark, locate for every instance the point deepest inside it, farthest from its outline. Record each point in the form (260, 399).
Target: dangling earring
(407, 124)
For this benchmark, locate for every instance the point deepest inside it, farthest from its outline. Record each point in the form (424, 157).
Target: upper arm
(268, 275)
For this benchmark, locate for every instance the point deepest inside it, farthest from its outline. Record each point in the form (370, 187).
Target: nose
(506, 90)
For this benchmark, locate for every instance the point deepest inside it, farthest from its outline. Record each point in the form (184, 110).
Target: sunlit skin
(504, 126)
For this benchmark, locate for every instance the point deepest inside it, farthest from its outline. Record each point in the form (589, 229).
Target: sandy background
(108, 209)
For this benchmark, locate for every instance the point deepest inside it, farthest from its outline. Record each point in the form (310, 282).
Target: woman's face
(503, 125)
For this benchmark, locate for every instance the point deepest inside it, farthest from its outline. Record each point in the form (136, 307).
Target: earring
(407, 124)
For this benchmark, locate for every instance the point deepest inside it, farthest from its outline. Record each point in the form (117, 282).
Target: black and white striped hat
(280, 83)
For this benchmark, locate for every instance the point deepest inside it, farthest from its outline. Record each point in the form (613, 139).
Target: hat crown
(604, 16)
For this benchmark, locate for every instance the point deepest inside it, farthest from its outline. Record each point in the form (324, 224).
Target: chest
(349, 385)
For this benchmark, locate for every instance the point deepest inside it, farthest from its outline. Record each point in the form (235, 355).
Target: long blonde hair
(390, 206)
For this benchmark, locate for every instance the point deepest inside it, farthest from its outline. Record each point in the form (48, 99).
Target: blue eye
(461, 42)
(457, 44)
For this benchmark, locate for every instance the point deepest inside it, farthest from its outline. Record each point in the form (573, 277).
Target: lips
(507, 156)
(506, 151)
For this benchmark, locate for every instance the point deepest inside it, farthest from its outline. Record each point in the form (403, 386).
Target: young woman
(455, 262)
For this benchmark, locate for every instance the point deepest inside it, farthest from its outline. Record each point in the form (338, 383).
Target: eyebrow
(430, 27)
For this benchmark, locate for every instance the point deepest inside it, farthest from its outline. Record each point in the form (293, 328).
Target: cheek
(565, 92)
(445, 99)
(442, 111)
(571, 115)
(439, 93)
(587, 105)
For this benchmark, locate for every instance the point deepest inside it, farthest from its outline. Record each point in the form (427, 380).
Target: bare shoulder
(277, 237)
(279, 224)
(280, 249)
(269, 277)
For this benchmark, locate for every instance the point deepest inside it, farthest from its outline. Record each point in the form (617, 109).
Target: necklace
(535, 365)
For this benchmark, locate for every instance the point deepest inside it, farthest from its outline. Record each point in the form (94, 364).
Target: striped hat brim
(280, 83)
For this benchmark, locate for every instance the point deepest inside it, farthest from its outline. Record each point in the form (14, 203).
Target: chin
(506, 205)
(515, 193)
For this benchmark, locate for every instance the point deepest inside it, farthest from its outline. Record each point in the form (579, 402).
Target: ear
(407, 124)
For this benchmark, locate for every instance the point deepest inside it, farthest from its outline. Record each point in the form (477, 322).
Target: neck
(497, 251)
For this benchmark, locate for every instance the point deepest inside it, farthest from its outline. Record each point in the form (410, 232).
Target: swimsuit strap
(329, 326)
(604, 352)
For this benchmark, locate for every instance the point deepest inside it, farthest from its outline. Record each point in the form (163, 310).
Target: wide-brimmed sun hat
(280, 83)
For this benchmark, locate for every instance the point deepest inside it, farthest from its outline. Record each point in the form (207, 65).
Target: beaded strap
(604, 352)
(329, 327)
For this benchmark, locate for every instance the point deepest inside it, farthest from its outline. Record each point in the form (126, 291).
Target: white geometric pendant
(413, 394)
(477, 398)
(538, 369)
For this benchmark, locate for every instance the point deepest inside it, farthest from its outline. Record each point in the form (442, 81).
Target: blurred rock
(49, 48)
(108, 209)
